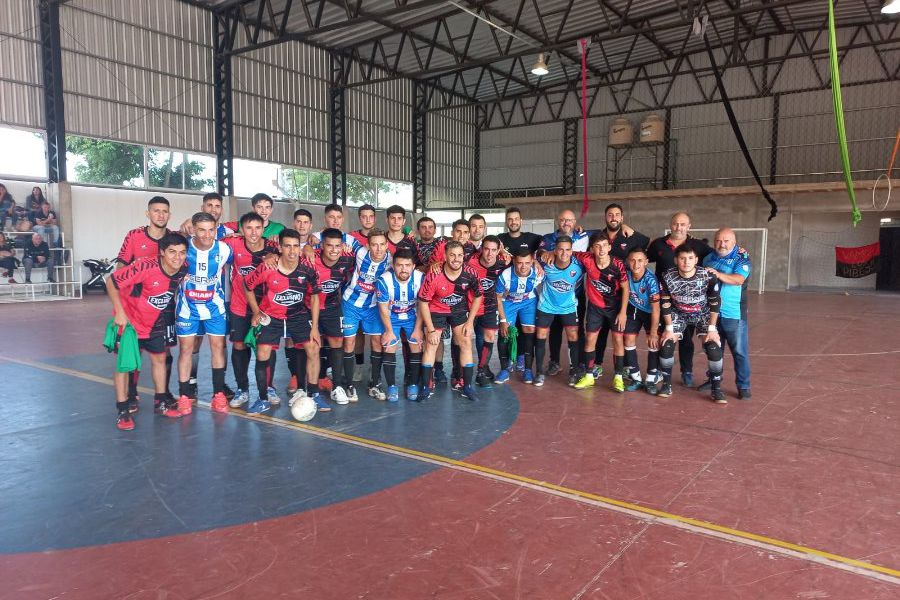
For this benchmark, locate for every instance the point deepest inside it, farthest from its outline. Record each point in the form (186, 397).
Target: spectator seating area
(67, 284)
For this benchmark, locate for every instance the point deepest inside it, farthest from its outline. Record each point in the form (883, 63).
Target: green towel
(513, 345)
(250, 338)
(128, 357)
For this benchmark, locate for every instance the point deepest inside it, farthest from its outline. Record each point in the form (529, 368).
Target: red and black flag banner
(857, 262)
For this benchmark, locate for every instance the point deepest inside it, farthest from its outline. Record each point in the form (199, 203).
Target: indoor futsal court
(453, 299)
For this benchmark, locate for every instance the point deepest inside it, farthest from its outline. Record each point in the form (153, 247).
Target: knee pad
(714, 356)
(667, 350)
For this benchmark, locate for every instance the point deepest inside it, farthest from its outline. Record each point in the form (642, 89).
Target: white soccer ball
(304, 409)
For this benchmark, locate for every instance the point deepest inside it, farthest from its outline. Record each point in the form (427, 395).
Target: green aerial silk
(512, 343)
(839, 112)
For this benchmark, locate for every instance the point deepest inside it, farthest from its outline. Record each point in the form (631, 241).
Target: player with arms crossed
(143, 294)
(396, 292)
(284, 304)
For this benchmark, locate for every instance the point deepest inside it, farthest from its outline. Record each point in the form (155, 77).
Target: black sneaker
(705, 386)
(744, 394)
(553, 369)
(482, 380)
(134, 404)
(650, 386)
(718, 396)
(664, 390)
(573, 378)
(229, 393)
(124, 421)
(488, 373)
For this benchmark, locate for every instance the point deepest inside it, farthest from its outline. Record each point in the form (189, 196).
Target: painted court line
(747, 538)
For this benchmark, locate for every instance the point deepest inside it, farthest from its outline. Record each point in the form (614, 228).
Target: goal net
(755, 240)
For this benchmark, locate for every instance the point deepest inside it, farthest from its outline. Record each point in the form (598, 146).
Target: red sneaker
(219, 403)
(134, 404)
(325, 385)
(124, 421)
(292, 385)
(185, 405)
(167, 410)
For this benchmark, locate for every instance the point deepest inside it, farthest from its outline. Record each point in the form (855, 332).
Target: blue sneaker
(520, 362)
(469, 392)
(423, 394)
(528, 376)
(502, 376)
(259, 406)
(687, 378)
(321, 405)
(240, 398)
(393, 394)
(412, 391)
(439, 376)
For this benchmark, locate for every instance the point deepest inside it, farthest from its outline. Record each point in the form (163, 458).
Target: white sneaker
(377, 393)
(297, 396)
(274, 400)
(240, 398)
(351, 394)
(339, 396)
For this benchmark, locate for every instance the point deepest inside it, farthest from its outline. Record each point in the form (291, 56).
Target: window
(23, 153)
(201, 173)
(305, 185)
(252, 177)
(395, 192)
(361, 190)
(102, 161)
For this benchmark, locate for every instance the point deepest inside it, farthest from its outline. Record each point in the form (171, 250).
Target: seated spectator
(37, 254)
(34, 201)
(8, 260)
(45, 222)
(7, 208)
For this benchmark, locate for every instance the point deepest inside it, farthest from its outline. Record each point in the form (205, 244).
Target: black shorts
(239, 327)
(331, 323)
(596, 318)
(637, 320)
(454, 319)
(544, 320)
(297, 330)
(489, 320)
(161, 338)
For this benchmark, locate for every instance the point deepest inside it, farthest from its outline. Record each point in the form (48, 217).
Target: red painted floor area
(813, 459)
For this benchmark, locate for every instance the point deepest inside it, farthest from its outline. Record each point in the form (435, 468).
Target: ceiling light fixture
(891, 7)
(540, 67)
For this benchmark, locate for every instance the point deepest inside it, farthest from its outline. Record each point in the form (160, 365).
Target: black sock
(290, 355)
(261, 370)
(184, 388)
(160, 399)
(468, 371)
(390, 369)
(270, 372)
(589, 357)
(323, 362)
(652, 362)
(456, 373)
(349, 365)
(218, 380)
(376, 357)
(556, 337)
(133, 378)
(631, 361)
(240, 361)
(122, 407)
(426, 375)
(169, 361)
(300, 362)
(312, 388)
(415, 367)
(618, 363)
(503, 352)
(528, 348)
(361, 358)
(439, 366)
(573, 356)
(336, 358)
(540, 349)
(195, 361)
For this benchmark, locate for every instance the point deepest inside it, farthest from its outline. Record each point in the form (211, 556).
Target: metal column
(570, 156)
(337, 138)
(224, 30)
(421, 98)
(54, 111)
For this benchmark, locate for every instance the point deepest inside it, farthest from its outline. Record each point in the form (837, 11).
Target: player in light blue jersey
(396, 293)
(558, 302)
(201, 309)
(643, 313)
(517, 300)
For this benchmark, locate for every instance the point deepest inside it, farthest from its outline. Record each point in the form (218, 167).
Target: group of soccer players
(331, 294)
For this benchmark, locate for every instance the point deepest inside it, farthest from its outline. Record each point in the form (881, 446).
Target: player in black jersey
(427, 242)
(690, 300)
(515, 239)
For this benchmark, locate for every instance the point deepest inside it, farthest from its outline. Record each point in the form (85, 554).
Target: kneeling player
(690, 297)
(143, 294)
(451, 296)
(286, 288)
(396, 293)
(643, 313)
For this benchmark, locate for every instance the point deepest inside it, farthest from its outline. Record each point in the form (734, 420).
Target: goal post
(755, 240)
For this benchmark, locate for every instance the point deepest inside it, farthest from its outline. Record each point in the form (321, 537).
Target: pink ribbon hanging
(584, 141)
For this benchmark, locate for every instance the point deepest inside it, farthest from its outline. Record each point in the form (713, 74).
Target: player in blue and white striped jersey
(517, 299)
(396, 293)
(201, 309)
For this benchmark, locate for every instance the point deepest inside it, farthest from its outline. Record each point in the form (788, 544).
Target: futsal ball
(304, 409)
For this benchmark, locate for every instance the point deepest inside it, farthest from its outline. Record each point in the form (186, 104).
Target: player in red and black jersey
(427, 242)
(451, 296)
(333, 269)
(143, 294)
(366, 216)
(487, 265)
(397, 240)
(250, 250)
(143, 242)
(460, 233)
(606, 282)
(287, 314)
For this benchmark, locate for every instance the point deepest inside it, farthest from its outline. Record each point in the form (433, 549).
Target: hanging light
(540, 67)
(891, 7)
